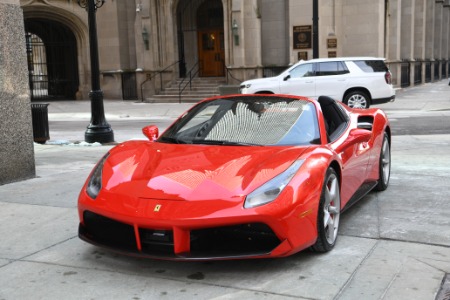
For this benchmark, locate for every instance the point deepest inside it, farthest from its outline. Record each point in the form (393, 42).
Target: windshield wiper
(173, 140)
(225, 143)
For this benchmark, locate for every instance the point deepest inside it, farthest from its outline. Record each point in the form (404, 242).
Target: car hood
(192, 172)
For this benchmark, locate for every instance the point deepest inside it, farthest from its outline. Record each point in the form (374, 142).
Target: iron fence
(436, 70)
(405, 74)
(273, 71)
(129, 86)
(418, 72)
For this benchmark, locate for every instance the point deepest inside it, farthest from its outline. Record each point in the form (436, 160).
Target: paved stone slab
(4, 262)
(305, 275)
(44, 281)
(396, 270)
(41, 256)
(27, 229)
(415, 206)
(61, 172)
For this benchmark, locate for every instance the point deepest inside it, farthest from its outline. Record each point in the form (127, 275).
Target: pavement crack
(352, 276)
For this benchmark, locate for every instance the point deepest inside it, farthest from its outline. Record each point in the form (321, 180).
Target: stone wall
(16, 137)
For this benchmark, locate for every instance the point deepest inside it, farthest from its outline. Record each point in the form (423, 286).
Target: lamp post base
(99, 134)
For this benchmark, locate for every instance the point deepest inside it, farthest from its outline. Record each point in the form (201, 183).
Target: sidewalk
(392, 245)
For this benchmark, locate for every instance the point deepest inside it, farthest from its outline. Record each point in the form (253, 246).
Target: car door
(331, 79)
(299, 81)
(353, 152)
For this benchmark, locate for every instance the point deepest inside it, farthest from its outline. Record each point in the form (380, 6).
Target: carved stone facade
(146, 44)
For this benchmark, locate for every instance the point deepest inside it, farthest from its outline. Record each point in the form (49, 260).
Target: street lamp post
(315, 28)
(98, 130)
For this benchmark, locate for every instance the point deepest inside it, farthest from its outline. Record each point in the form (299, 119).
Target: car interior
(336, 120)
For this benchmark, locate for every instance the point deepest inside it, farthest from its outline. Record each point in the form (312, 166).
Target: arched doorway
(52, 60)
(201, 37)
(210, 37)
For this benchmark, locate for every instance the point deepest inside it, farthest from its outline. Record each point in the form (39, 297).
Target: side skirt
(363, 190)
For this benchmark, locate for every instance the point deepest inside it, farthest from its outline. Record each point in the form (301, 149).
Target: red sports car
(242, 176)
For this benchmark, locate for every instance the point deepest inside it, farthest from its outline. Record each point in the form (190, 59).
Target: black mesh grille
(245, 239)
(108, 232)
(239, 240)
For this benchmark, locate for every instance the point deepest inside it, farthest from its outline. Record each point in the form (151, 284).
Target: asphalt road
(420, 125)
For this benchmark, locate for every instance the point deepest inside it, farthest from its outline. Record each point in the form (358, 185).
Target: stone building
(147, 45)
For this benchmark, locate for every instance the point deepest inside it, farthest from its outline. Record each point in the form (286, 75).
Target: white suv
(356, 81)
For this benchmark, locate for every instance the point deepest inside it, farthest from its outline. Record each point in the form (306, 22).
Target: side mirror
(287, 77)
(356, 136)
(151, 132)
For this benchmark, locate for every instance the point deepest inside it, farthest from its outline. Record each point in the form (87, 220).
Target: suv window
(304, 70)
(371, 66)
(331, 68)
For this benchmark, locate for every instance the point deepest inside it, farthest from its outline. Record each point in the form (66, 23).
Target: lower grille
(108, 232)
(218, 242)
(245, 239)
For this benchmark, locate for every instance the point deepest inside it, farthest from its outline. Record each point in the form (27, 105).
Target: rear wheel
(357, 99)
(329, 213)
(384, 168)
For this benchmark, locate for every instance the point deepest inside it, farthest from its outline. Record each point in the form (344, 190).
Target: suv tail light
(388, 77)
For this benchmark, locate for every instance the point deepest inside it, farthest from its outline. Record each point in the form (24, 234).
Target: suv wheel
(357, 99)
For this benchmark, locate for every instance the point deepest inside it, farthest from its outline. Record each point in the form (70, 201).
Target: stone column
(16, 137)
(394, 39)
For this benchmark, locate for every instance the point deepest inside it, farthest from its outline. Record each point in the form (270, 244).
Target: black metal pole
(315, 28)
(98, 130)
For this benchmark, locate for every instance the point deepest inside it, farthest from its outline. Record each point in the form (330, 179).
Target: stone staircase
(202, 87)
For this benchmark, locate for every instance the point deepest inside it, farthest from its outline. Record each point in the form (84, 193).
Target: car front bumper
(242, 234)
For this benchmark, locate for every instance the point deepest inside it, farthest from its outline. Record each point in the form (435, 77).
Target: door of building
(211, 53)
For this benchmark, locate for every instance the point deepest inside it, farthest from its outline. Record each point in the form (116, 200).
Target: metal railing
(229, 74)
(405, 74)
(424, 71)
(273, 71)
(428, 71)
(191, 74)
(160, 78)
(436, 70)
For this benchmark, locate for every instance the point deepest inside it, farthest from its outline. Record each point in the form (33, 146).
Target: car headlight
(95, 182)
(270, 190)
(245, 86)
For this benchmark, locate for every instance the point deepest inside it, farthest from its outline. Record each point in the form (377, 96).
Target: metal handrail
(160, 78)
(191, 75)
(231, 75)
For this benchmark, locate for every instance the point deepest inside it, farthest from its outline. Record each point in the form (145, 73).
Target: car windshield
(247, 121)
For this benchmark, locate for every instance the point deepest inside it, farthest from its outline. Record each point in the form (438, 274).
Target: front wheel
(329, 213)
(384, 168)
(357, 99)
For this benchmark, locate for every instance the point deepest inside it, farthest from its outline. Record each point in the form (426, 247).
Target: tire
(357, 99)
(384, 168)
(329, 213)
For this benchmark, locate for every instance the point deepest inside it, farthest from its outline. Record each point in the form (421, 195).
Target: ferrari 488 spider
(242, 176)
